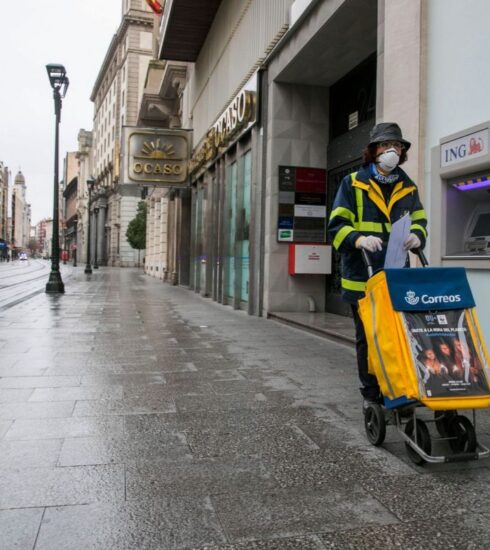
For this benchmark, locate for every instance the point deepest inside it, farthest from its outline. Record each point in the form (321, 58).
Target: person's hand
(412, 242)
(369, 243)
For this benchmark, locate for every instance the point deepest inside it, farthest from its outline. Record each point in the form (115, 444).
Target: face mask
(388, 160)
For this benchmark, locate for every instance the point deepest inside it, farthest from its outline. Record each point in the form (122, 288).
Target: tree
(33, 246)
(136, 232)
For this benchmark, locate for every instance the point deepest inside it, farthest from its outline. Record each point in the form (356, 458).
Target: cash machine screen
(482, 226)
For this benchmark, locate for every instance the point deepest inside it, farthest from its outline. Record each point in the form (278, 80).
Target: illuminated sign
(239, 114)
(158, 157)
(465, 148)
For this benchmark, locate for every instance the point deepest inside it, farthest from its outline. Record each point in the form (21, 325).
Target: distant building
(4, 195)
(21, 215)
(43, 235)
(116, 95)
(70, 179)
(85, 171)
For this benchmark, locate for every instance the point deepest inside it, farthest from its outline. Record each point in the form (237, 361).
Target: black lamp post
(75, 242)
(90, 185)
(96, 211)
(59, 82)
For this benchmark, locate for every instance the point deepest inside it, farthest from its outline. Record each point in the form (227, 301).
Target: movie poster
(447, 361)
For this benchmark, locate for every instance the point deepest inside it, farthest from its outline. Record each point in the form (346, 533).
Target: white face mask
(388, 160)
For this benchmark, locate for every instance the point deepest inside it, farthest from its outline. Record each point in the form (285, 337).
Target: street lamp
(96, 211)
(75, 243)
(59, 82)
(90, 185)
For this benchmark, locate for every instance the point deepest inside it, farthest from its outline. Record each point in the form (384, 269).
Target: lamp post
(59, 82)
(75, 242)
(96, 211)
(90, 184)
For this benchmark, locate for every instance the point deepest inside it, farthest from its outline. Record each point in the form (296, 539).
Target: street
(139, 415)
(20, 280)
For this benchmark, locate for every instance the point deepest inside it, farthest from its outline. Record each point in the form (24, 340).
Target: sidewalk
(138, 415)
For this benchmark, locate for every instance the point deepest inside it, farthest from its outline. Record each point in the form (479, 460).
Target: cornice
(133, 17)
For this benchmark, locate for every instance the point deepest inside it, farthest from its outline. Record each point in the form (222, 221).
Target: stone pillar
(101, 236)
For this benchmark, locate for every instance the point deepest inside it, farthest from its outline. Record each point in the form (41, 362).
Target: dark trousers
(369, 385)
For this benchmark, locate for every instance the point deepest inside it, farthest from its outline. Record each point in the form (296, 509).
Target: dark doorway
(352, 115)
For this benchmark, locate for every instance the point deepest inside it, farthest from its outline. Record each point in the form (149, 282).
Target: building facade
(4, 198)
(71, 171)
(116, 95)
(43, 233)
(20, 216)
(318, 75)
(85, 171)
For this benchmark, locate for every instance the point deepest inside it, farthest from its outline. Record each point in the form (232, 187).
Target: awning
(186, 24)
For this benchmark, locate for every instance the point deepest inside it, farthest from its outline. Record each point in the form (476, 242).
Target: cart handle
(369, 264)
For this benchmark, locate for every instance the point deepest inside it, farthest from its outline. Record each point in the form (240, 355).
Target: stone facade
(116, 96)
(4, 197)
(21, 214)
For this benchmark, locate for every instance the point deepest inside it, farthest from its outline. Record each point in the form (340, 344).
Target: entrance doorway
(352, 115)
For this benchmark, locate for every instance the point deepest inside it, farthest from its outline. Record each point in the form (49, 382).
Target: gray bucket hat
(387, 131)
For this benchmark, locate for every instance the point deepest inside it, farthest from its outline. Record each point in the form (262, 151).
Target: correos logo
(412, 299)
(447, 299)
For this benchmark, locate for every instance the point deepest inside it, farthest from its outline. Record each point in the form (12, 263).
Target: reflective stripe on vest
(356, 286)
(341, 235)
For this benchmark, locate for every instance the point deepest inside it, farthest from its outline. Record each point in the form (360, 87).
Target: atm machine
(459, 213)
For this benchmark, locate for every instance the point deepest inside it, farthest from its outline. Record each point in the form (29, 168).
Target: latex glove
(369, 243)
(412, 242)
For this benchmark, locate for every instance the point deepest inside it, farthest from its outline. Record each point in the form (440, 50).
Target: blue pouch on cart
(429, 289)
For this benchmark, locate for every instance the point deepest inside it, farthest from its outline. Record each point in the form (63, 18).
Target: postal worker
(366, 204)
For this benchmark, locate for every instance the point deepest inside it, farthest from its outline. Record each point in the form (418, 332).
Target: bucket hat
(387, 131)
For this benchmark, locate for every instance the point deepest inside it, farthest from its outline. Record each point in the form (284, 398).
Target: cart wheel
(375, 424)
(463, 433)
(423, 440)
(442, 419)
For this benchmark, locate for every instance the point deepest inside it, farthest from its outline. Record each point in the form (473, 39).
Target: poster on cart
(447, 359)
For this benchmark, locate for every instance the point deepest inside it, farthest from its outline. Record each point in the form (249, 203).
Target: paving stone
(167, 523)
(447, 533)
(196, 477)
(267, 420)
(142, 405)
(61, 486)
(39, 381)
(29, 454)
(296, 543)
(79, 451)
(286, 513)
(22, 370)
(112, 379)
(76, 394)
(15, 395)
(36, 410)
(4, 427)
(248, 441)
(19, 528)
(417, 497)
(55, 428)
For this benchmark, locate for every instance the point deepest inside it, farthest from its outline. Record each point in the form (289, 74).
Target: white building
(21, 214)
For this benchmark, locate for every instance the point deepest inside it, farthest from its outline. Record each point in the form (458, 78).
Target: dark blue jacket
(360, 209)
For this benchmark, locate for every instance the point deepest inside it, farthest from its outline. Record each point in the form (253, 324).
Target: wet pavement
(137, 415)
